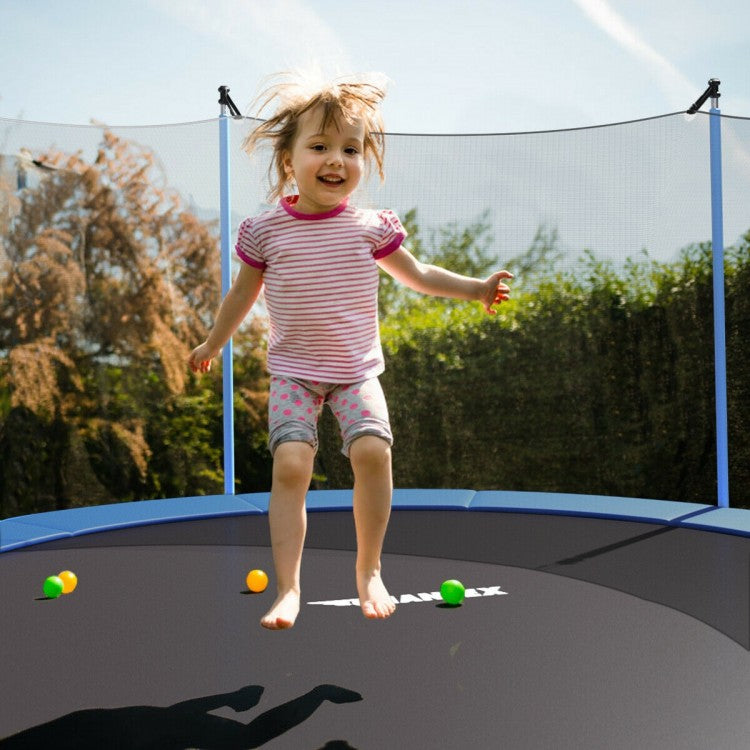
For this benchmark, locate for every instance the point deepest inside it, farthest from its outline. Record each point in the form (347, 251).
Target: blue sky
(457, 66)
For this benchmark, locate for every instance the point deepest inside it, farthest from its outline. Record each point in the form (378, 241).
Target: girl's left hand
(200, 358)
(495, 291)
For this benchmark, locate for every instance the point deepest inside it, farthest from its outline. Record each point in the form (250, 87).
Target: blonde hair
(347, 98)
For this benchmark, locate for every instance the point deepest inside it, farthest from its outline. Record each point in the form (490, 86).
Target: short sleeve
(391, 234)
(248, 248)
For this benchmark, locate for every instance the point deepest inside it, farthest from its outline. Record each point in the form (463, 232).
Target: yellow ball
(256, 581)
(69, 579)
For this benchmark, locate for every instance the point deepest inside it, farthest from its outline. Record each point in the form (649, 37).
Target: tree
(465, 250)
(538, 261)
(106, 280)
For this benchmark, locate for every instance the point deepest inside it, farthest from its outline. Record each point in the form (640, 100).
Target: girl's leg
(373, 486)
(292, 471)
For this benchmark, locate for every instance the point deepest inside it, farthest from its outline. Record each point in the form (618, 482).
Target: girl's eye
(318, 147)
(352, 151)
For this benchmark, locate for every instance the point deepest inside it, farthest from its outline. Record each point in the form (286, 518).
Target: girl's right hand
(200, 358)
(495, 290)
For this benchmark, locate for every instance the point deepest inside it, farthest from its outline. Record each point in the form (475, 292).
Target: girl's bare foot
(283, 612)
(374, 599)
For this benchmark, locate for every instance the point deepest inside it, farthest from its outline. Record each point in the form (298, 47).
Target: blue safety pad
(258, 501)
(404, 499)
(329, 500)
(23, 531)
(15, 534)
(409, 499)
(316, 500)
(730, 520)
(597, 506)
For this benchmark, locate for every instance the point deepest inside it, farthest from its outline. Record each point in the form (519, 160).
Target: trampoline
(590, 622)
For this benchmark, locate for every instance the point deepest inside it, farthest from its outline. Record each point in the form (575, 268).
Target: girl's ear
(286, 160)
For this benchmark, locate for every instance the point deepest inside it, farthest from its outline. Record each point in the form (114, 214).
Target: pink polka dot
(275, 408)
(283, 382)
(355, 391)
(343, 402)
(307, 395)
(365, 413)
(298, 402)
(273, 393)
(295, 387)
(301, 419)
(352, 405)
(287, 412)
(310, 411)
(284, 396)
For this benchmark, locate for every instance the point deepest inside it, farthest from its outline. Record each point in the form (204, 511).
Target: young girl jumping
(317, 258)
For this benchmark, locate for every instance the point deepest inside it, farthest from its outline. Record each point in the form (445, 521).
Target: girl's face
(326, 164)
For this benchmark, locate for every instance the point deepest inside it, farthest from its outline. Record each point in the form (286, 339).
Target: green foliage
(186, 456)
(106, 283)
(464, 250)
(594, 378)
(738, 370)
(252, 459)
(538, 262)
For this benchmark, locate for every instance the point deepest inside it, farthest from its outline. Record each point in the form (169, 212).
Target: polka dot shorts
(295, 405)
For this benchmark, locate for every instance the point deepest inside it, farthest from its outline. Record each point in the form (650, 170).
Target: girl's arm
(429, 279)
(236, 305)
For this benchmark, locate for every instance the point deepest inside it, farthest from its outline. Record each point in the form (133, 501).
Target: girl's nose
(335, 158)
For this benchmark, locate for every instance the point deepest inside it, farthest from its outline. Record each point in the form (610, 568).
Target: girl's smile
(326, 163)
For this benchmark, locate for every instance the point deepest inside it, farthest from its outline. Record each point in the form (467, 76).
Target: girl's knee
(370, 451)
(293, 463)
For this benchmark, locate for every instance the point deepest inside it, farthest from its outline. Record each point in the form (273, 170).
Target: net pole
(720, 349)
(226, 282)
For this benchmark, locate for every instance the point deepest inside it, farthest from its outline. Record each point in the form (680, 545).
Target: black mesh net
(596, 378)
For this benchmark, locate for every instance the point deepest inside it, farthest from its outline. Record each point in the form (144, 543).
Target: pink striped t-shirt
(321, 287)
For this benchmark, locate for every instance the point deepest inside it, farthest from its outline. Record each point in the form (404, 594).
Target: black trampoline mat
(160, 643)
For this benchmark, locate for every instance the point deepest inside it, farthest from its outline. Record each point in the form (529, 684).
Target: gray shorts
(294, 406)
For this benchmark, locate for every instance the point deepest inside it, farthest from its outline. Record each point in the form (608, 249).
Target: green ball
(53, 587)
(453, 592)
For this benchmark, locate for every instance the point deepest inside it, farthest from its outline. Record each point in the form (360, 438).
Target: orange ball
(256, 581)
(69, 579)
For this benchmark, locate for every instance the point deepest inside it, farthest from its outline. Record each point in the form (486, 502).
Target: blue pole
(226, 282)
(720, 346)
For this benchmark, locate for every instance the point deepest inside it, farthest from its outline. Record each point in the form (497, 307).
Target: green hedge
(593, 380)
(598, 380)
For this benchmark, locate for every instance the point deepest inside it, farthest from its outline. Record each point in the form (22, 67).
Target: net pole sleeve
(720, 353)
(226, 282)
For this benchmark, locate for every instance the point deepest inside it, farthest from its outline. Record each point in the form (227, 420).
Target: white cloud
(676, 87)
(291, 28)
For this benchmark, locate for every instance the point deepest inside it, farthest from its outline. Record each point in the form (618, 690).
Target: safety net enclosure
(598, 376)
(600, 419)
